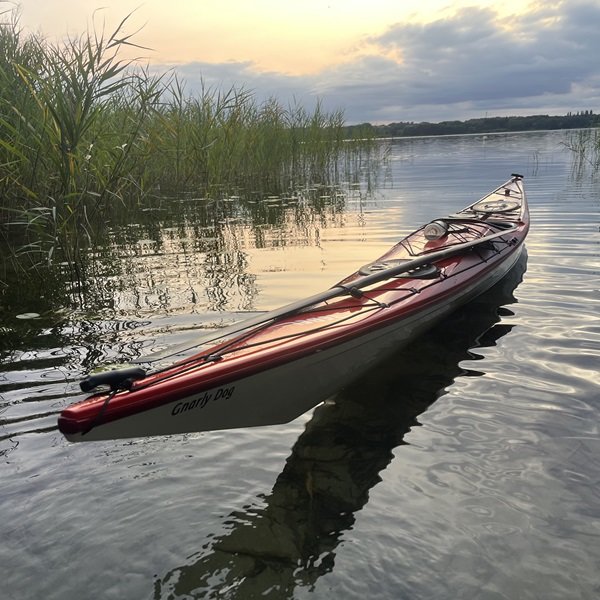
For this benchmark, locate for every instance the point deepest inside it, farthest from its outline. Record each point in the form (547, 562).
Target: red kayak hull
(280, 367)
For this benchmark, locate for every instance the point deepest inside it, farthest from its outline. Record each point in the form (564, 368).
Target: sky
(379, 61)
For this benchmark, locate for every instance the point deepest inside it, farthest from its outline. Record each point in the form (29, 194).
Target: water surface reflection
(289, 538)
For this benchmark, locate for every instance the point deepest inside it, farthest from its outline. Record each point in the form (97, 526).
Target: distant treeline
(576, 120)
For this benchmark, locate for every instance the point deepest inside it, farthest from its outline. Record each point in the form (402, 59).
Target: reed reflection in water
(290, 539)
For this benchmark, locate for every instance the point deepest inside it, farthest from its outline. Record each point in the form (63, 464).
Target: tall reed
(82, 130)
(585, 146)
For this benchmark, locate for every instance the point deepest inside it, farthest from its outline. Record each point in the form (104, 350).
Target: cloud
(244, 75)
(461, 66)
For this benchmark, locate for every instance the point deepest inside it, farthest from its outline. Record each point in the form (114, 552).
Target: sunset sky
(378, 60)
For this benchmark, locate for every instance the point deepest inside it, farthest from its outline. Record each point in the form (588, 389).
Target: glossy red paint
(333, 322)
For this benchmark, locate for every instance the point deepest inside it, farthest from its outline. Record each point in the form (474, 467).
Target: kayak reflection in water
(291, 540)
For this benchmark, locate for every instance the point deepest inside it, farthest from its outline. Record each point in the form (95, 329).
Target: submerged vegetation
(84, 132)
(585, 146)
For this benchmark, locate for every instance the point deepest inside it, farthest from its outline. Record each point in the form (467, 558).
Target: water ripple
(467, 466)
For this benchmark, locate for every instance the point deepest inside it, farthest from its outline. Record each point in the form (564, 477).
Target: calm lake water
(466, 466)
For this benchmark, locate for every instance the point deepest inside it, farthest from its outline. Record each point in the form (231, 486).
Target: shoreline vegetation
(86, 135)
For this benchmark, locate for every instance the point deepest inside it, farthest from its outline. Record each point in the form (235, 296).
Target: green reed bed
(83, 131)
(585, 146)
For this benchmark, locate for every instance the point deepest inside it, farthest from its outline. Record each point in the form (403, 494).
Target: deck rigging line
(374, 304)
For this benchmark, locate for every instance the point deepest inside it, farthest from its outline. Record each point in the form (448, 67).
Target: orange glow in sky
(292, 37)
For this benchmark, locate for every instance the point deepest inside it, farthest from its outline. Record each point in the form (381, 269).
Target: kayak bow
(277, 365)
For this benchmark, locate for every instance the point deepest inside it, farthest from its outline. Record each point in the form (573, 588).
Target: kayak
(275, 366)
